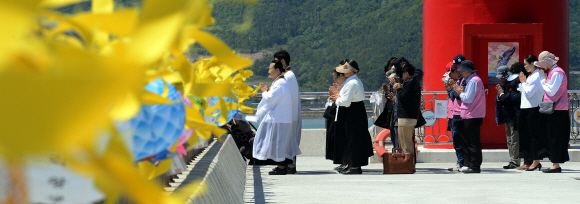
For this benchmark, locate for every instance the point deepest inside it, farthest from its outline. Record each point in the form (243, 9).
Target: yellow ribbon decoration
(62, 90)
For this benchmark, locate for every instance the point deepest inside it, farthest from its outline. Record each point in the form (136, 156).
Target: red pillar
(444, 36)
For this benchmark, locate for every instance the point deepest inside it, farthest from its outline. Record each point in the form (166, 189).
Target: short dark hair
(390, 63)
(283, 55)
(353, 63)
(407, 67)
(530, 59)
(278, 65)
(518, 67)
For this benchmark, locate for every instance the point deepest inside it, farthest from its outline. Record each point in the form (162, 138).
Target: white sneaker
(463, 168)
(454, 168)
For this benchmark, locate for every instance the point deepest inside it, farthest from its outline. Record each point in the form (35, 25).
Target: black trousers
(471, 143)
(533, 137)
(285, 162)
(558, 131)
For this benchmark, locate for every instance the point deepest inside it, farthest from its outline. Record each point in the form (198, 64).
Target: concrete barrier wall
(313, 142)
(221, 169)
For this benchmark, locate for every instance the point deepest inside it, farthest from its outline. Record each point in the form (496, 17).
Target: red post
(453, 27)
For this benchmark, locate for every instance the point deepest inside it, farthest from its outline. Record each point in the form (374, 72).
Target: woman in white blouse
(351, 120)
(274, 138)
(557, 123)
(533, 143)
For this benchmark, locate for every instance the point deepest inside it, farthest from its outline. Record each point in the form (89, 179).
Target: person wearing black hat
(507, 109)
(472, 113)
(386, 119)
(457, 61)
(351, 120)
(408, 104)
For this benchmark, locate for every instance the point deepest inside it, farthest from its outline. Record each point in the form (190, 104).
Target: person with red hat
(453, 103)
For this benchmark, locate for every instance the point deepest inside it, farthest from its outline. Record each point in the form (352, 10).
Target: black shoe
(550, 170)
(338, 168)
(291, 170)
(471, 171)
(341, 168)
(352, 171)
(278, 171)
(538, 167)
(511, 165)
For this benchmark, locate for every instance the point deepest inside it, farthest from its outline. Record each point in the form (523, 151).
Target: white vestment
(274, 138)
(296, 105)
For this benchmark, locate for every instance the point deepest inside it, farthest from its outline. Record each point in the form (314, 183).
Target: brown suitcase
(398, 163)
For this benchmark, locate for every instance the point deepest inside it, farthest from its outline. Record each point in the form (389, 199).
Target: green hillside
(320, 33)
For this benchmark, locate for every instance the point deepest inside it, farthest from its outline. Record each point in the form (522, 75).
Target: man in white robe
(274, 138)
(284, 57)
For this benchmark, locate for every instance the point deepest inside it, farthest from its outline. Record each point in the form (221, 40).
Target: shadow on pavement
(443, 171)
(315, 172)
(258, 186)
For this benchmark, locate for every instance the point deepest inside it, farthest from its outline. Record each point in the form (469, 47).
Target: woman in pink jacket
(557, 123)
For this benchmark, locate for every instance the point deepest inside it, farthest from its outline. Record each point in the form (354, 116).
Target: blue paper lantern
(156, 127)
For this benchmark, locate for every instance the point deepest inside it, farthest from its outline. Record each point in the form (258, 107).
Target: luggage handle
(395, 154)
(400, 149)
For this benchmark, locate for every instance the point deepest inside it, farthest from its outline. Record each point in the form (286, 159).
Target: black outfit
(533, 140)
(285, 162)
(558, 129)
(410, 104)
(387, 118)
(507, 109)
(352, 125)
(242, 134)
(409, 97)
(331, 145)
(471, 143)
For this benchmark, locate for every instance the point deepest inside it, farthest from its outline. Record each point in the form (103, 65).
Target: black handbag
(330, 112)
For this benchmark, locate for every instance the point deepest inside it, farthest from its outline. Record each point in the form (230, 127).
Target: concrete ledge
(489, 155)
(313, 142)
(221, 168)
